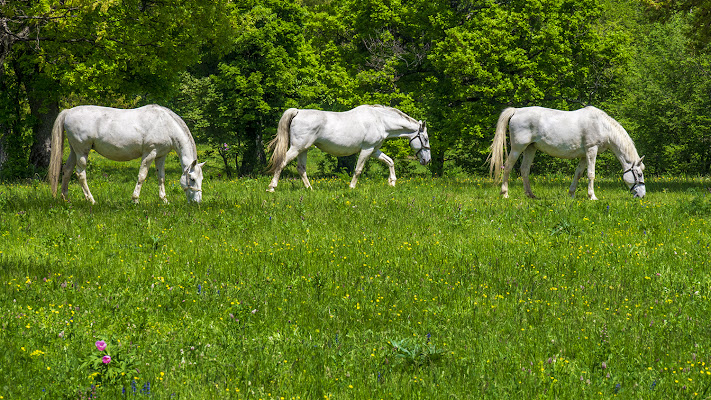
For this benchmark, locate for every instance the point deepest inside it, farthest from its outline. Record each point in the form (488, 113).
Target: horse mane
(180, 123)
(396, 111)
(619, 135)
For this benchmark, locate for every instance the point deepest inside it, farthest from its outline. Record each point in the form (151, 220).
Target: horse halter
(418, 135)
(638, 179)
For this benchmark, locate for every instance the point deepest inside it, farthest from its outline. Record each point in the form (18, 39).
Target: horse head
(634, 178)
(420, 142)
(191, 181)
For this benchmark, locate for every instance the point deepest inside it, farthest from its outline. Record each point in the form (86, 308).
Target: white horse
(149, 132)
(362, 129)
(565, 134)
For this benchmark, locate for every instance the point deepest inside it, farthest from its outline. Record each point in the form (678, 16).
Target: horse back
(564, 134)
(119, 134)
(337, 133)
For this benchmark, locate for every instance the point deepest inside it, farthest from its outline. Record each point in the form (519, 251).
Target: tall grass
(436, 288)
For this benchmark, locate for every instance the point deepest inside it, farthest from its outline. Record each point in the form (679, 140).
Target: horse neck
(183, 142)
(398, 126)
(623, 148)
(184, 145)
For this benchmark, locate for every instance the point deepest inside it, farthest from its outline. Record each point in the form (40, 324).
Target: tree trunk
(254, 159)
(4, 130)
(13, 154)
(44, 111)
(3, 150)
(44, 108)
(437, 163)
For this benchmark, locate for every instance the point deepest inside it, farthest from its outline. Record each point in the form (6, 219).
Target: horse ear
(193, 164)
(423, 126)
(201, 164)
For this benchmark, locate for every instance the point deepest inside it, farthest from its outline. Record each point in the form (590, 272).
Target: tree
(521, 53)
(97, 51)
(23, 25)
(268, 68)
(459, 63)
(667, 99)
(698, 10)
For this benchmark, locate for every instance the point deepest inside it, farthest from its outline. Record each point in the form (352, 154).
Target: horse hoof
(270, 190)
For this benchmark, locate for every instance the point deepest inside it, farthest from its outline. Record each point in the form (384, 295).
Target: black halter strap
(638, 180)
(422, 143)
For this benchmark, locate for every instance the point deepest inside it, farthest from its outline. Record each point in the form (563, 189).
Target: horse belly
(117, 153)
(561, 150)
(337, 149)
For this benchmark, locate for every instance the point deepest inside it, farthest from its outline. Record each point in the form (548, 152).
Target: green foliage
(413, 354)
(667, 100)
(14, 138)
(111, 366)
(96, 53)
(698, 10)
(458, 64)
(550, 53)
(238, 98)
(232, 68)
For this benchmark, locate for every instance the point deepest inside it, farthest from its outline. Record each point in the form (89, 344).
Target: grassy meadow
(435, 288)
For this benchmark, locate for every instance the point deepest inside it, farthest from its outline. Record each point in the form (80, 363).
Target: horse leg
(160, 172)
(526, 162)
(389, 162)
(591, 155)
(142, 174)
(81, 175)
(291, 154)
(362, 157)
(576, 177)
(510, 162)
(301, 167)
(67, 173)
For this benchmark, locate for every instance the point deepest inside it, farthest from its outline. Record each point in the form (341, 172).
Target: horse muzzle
(424, 157)
(193, 195)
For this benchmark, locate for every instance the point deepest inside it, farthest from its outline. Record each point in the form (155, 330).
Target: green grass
(436, 288)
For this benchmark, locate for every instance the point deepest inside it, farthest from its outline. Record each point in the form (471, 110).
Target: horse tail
(280, 143)
(56, 152)
(498, 146)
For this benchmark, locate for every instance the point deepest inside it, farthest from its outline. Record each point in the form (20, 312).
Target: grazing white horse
(565, 134)
(149, 132)
(362, 129)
